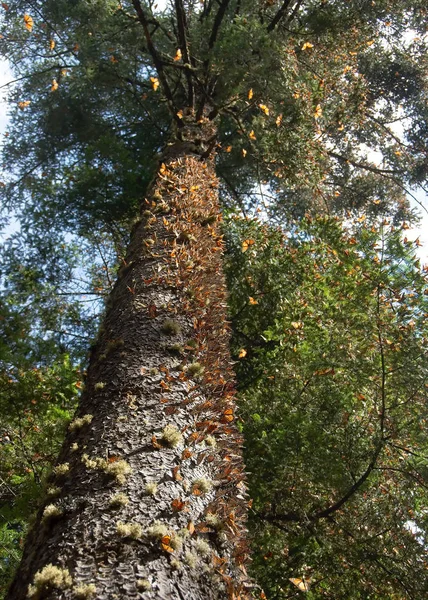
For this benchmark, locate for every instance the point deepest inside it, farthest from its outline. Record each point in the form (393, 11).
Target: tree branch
(360, 165)
(279, 15)
(217, 23)
(156, 60)
(184, 46)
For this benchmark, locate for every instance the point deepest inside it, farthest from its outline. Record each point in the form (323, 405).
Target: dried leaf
(178, 505)
(176, 473)
(191, 527)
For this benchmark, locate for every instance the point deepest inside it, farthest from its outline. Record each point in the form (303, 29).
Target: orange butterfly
(246, 244)
(302, 584)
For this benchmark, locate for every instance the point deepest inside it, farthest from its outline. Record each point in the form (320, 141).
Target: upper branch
(279, 15)
(217, 23)
(363, 165)
(156, 58)
(184, 46)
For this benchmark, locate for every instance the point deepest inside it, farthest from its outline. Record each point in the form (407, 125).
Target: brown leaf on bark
(178, 505)
(176, 473)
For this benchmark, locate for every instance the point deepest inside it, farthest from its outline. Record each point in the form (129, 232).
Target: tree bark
(147, 499)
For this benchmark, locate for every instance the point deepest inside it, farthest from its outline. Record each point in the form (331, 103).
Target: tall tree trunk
(147, 498)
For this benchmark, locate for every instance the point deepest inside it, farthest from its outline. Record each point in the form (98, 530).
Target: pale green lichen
(209, 220)
(184, 532)
(53, 490)
(158, 530)
(193, 344)
(195, 369)
(191, 559)
(213, 521)
(80, 422)
(118, 500)
(171, 327)
(92, 463)
(100, 385)
(118, 469)
(163, 207)
(171, 436)
(176, 542)
(61, 469)
(51, 512)
(175, 349)
(210, 441)
(74, 447)
(132, 530)
(185, 237)
(85, 590)
(151, 488)
(201, 485)
(114, 344)
(176, 564)
(202, 548)
(144, 585)
(50, 577)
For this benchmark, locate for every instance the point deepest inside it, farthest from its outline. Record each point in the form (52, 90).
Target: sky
(5, 77)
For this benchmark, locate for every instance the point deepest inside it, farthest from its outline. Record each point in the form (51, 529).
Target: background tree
(330, 329)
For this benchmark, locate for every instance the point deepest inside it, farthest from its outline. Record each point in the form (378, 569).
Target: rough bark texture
(159, 395)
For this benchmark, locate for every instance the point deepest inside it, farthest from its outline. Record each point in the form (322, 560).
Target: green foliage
(35, 407)
(333, 385)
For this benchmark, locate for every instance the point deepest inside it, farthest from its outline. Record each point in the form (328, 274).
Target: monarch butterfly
(302, 584)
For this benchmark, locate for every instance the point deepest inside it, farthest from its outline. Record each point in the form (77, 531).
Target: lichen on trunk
(147, 498)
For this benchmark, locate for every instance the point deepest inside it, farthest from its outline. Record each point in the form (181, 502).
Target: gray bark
(159, 392)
